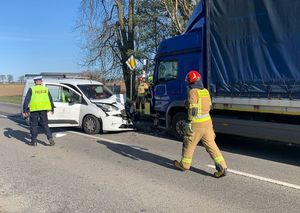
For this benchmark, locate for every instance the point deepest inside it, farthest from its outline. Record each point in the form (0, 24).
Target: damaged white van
(83, 103)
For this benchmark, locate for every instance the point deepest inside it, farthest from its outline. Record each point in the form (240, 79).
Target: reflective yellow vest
(200, 117)
(39, 99)
(142, 88)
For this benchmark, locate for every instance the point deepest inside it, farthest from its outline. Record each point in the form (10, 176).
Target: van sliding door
(67, 104)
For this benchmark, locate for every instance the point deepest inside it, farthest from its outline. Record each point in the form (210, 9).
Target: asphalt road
(133, 172)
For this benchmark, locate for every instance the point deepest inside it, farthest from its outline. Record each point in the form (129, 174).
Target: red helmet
(192, 77)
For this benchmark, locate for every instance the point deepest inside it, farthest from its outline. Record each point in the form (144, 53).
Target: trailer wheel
(178, 125)
(91, 125)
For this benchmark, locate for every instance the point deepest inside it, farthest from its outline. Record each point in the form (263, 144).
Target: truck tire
(91, 125)
(178, 125)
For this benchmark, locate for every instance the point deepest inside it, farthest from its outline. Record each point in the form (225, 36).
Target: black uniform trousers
(34, 120)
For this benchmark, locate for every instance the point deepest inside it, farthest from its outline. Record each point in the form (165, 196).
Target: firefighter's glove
(189, 127)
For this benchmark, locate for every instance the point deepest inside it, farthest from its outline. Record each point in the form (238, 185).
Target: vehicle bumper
(116, 123)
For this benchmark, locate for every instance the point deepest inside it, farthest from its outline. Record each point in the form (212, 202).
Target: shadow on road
(140, 153)
(17, 134)
(20, 136)
(258, 148)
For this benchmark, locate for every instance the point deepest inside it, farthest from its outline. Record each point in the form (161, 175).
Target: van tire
(91, 125)
(178, 125)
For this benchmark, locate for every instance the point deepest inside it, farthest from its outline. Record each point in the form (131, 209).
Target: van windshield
(93, 91)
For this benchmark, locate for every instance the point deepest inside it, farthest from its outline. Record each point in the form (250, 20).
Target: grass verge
(17, 99)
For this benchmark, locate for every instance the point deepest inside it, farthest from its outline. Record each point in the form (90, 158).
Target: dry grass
(17, 99)
(11, 89)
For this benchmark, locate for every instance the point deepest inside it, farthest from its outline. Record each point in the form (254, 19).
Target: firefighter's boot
(178, 165)
(221, 172)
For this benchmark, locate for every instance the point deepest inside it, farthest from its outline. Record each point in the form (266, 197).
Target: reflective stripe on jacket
(202, 114)
(39, 99)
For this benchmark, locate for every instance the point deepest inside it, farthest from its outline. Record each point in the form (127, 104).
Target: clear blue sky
(38, 36)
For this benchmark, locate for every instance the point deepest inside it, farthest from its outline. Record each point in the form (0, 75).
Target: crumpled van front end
(115, 118)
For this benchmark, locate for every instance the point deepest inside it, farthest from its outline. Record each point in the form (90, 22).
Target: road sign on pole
(131, 63)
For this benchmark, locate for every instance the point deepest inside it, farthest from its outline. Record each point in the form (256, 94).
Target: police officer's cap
(38, 78)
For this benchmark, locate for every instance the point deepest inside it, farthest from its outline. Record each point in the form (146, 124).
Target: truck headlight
(107, 107)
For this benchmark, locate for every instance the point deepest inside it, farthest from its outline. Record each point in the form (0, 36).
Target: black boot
(51, 141)
(33, 143)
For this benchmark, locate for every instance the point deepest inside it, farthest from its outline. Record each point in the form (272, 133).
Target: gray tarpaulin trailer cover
(254, 47)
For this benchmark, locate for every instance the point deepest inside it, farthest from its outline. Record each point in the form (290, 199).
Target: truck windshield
(167, 70)
(93, 91)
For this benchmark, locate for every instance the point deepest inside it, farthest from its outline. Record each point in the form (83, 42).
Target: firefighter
(142, 89)
(199, 126)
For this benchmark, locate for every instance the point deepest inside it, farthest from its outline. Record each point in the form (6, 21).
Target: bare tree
(10, 78)
(21, 79)
(92, 75)
(110, 35)
(152, 27)
(2, 78)
(114, 30)
(179, 12)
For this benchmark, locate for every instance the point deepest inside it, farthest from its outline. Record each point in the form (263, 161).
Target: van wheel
(91, 125)
(178, 125)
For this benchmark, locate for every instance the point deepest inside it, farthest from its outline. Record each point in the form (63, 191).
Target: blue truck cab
(175, 57)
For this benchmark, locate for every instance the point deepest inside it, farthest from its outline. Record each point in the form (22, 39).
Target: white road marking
(98, 138)
(59, 135)
(261, 178)
(3, 116)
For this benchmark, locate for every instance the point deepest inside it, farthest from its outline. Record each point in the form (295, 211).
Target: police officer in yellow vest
(38, 102)
(199, 127)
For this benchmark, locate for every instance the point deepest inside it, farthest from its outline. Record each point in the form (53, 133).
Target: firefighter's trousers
(207, 136)
(140, 101)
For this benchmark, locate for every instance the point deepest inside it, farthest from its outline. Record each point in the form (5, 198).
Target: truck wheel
(178, 125)
(91, 125)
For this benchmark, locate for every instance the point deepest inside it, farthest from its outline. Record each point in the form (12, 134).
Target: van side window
(55, 92)
(167, 70)
(74, 97)
(63, 94)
